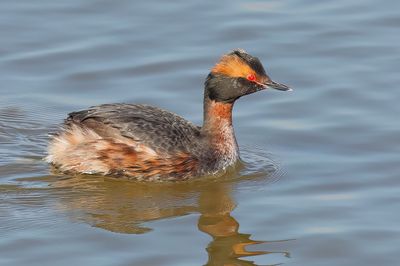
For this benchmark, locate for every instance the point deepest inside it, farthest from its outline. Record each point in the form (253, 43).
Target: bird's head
(237, 74)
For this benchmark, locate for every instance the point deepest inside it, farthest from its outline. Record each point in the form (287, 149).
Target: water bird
(147, 143)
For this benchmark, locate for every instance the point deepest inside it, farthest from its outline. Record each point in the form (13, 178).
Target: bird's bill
(277, 86)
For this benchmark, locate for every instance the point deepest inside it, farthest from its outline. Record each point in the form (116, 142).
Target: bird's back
(163, 131)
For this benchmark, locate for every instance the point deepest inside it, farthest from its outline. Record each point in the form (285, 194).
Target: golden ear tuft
(233, 66)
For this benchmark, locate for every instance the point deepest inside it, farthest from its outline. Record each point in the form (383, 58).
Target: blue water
(320, 185)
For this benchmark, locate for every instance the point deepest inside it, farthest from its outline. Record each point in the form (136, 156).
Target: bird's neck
(217, 115)
(218, 128)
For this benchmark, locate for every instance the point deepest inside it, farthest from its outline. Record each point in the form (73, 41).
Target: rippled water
(320, 182)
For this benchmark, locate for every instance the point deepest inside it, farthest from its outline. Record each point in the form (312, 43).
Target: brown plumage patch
(125, 160)
(82, 150)
(178, 166)
(231, 65)
(220, 110)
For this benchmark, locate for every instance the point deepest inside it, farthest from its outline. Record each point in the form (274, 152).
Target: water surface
(320, 184)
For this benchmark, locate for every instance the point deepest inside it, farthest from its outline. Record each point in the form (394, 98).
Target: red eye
(251, 77)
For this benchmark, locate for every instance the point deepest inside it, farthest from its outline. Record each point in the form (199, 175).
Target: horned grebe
(148, 143)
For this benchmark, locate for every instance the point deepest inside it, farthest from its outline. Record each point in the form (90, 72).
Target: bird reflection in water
(228, 245)
(124, 206)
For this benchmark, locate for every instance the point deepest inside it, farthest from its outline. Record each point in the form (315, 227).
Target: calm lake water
(321, 180)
